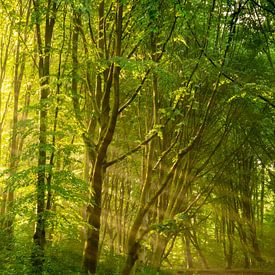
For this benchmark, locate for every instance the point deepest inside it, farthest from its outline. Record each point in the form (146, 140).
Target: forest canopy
(137, 136)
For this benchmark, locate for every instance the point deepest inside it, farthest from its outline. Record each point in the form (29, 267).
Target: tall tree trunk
(262, 196)
(195, 242)
(44, 49)
(18, 75)
(161, 243)
(19, 68)
(230, 250)
(189, 259)
(4, 54)
(108, 124)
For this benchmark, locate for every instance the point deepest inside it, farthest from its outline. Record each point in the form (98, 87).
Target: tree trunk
(230, 250)
(18, 75)
(161, 244)
(19, 68)
(39, 236)
(4, 54)
(189, 259)
(194, 240)
(108, 124)
(90, 256)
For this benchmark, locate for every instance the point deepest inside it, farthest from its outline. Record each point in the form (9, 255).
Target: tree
(44, 42)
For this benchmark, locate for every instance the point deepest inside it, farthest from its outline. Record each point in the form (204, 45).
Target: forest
(137, 137)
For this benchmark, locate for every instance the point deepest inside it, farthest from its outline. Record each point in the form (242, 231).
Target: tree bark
(18, 75)
(108, 124)
(189, 259)
(44, 48)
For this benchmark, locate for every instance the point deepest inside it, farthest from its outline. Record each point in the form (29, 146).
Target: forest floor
(232, 271)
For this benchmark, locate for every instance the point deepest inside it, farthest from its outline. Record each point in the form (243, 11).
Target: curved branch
(267, 101)
(124, 156)
(134, 95)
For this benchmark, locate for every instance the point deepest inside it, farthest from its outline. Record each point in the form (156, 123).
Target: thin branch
(265, 8)
(167, 40)
(206, 55)
(166, 152)
(124, 156)
(5, 112)
(132, 98)
(91, 31)
(267, 101)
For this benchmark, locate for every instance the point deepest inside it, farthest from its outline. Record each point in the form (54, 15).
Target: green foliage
(111, 264)
(204, 69)
(15, 258)
(64, 258)
(152, 271)
(59, 259)
(167, 227)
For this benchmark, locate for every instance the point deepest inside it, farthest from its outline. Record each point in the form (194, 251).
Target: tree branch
(124, 156)
(267, 101)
